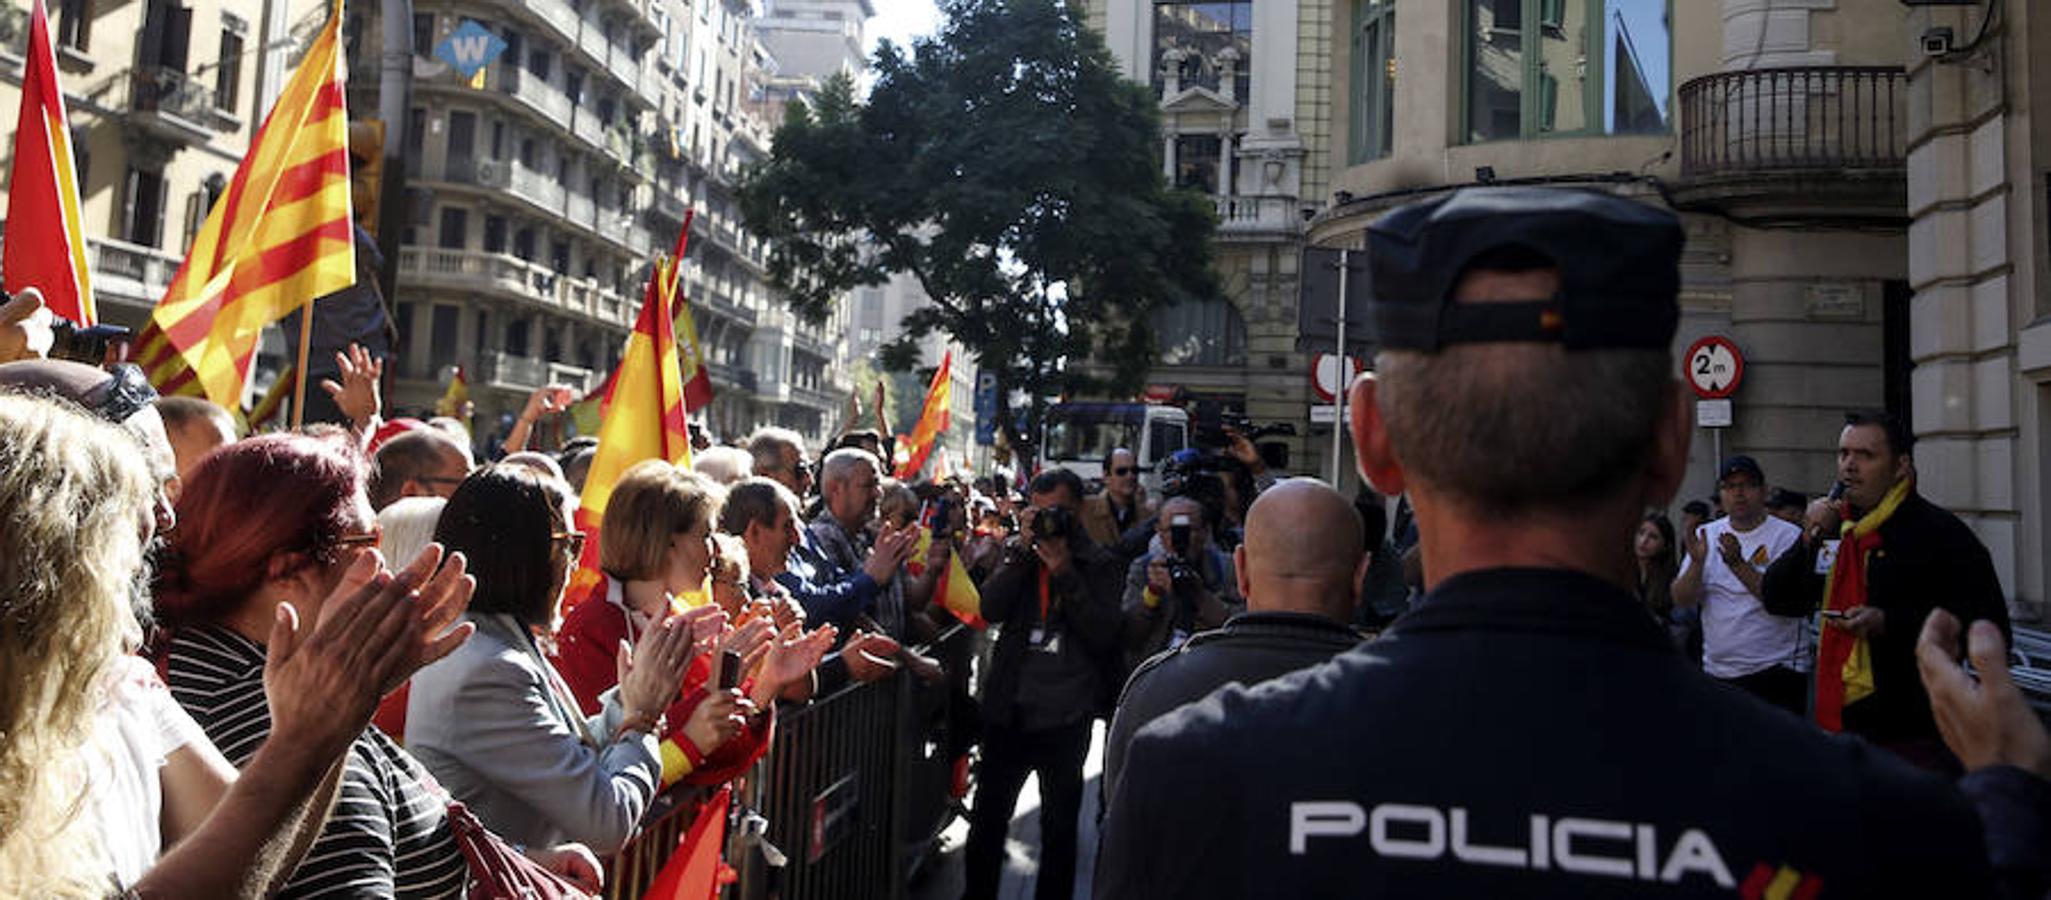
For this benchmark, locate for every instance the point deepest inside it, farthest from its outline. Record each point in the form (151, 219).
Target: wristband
(1150, 597)
(692, 754)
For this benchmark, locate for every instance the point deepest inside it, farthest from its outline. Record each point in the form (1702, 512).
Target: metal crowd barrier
(2030, 668)
(855, 790)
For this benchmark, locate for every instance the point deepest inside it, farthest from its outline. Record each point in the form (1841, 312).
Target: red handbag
(497, 871)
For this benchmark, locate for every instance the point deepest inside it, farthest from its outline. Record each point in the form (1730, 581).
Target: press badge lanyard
(1040, 638)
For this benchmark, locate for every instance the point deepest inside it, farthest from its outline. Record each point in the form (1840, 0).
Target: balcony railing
(1236, 213)
(624, 66)
(172, 103)
(545, 98)
(125, 271)
(498, 274)
(1792, 119)
(526, 373)
(583, 212)
(558, 14)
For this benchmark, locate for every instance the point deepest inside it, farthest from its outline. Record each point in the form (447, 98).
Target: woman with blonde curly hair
(99, 770)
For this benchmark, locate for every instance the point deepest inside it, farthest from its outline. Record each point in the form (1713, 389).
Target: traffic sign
(1327, 380)
(1714, 367)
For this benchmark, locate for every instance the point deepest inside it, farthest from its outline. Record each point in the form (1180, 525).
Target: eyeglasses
(371, 538)
(1125, 470)
(575, 538)
(129, 393)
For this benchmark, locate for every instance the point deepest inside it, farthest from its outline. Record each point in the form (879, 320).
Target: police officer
(1526, 731)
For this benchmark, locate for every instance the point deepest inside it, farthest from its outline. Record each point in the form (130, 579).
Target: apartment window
(443, 337)
(573, 85)
(1374, 79)
(1200, 333)
(494, 234)
(75, 24)
(455, 229)
(1589, 67)
(228, 75)
(142, 212)
(1191, 37)
(516, 337)
(539, 62)
(1196, 162)
(498, 139)
(423, 34)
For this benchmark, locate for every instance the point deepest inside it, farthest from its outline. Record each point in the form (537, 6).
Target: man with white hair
(833, 576)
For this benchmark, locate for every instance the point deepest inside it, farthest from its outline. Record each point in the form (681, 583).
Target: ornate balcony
(1796, 143)
(172, 105)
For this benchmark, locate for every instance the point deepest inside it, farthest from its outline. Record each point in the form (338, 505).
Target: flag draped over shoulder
(932, 419)
(643, 413)
(279, 237)
(45, 247)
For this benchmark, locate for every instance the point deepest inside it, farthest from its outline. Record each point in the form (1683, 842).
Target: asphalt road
(942, 878)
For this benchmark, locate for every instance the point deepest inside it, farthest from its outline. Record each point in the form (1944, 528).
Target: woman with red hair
(280, 519)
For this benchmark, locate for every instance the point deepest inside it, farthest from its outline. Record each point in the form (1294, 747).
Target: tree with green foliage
(1009, 167)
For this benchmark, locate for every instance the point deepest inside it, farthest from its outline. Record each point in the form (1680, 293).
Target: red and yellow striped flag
(454, 398)
(644, 413)
(932, 420)
(278, 238)
(697, 382)
(45, 247)
(274, 399)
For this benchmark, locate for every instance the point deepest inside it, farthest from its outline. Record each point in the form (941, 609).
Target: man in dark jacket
(1055, 601)
(1297, 568)
(1915, 558)
(1527, 731)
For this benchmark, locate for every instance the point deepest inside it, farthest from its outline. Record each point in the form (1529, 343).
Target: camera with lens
(1183, 575)
(75, 342)
(1051, 522)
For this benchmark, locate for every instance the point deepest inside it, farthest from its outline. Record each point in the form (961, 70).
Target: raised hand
(358, 395)
(652, 672)
(25, 327)
(716, 719)
(791, 656)
(870, 657)
(322, 687)
(1985, 721)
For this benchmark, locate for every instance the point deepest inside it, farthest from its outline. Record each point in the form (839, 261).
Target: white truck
(1078, 435)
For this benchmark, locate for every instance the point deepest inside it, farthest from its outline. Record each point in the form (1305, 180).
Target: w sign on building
(470, 48)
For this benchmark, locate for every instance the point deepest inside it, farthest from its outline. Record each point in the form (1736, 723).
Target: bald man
(1303, 558)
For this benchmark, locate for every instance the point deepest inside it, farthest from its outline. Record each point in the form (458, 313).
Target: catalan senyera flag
(932, 419)
(278, 238)
(643, 414)
(457, 394)
(274, 399)
(45, 247)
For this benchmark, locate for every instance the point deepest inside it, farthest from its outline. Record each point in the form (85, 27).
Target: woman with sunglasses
(658, 547)
(283, 520)
(495, 721)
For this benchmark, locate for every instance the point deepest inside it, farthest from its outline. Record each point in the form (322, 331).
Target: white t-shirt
(1739, 637)
(138, 727)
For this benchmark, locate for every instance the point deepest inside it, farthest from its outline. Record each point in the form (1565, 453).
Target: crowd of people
(338, 660)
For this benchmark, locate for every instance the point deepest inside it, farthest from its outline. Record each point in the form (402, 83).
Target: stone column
(1971, 289)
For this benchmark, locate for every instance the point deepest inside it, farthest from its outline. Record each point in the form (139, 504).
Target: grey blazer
(485, 723)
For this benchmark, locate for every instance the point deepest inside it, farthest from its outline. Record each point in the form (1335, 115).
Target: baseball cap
(1733, 465)
(1618, 259)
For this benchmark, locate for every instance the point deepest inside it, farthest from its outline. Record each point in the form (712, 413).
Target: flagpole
(305, 346)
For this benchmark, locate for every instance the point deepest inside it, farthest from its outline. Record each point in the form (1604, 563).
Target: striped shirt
(387, 836)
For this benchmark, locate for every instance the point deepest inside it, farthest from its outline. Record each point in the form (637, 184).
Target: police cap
(1618, 262)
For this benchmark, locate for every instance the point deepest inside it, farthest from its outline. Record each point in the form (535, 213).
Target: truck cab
(1078, 435)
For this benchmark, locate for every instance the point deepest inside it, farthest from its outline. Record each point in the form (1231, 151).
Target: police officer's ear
(1667, 464)
(1372, 452)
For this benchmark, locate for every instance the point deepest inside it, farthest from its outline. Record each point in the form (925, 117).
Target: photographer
(1184, 584)
(1054, 599)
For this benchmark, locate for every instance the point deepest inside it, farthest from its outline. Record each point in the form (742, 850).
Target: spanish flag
(697, 382)
(45, 247)
(932, 420)
(955, 590)
(279, 237)
(453, 399)
(643, 412)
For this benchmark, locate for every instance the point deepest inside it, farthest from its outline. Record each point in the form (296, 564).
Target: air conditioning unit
(488, 171)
